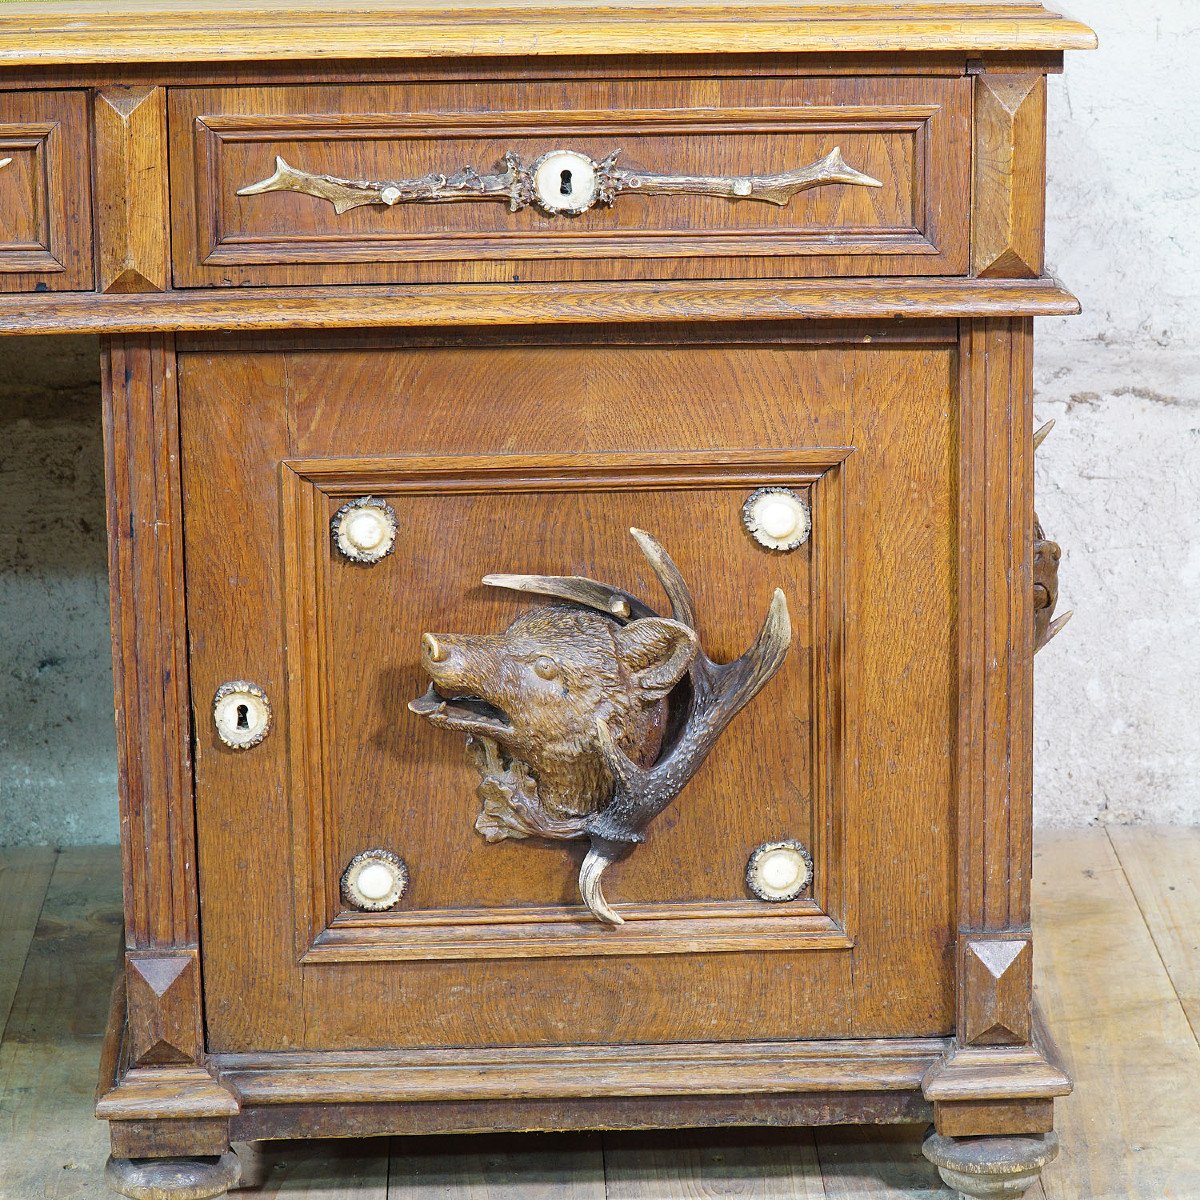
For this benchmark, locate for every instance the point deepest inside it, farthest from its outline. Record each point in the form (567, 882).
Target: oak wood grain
(1009, 204)
(316, 401)
(912, 135)
(145, 520)
(411, 1118)
(76, 31)
(517, 304)
(132, 221)
(995, 626)
(1089, 925)
(575, 1071)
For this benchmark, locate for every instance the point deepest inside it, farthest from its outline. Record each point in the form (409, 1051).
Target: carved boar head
(541, 688)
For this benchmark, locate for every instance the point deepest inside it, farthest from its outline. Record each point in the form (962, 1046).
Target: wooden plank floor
(1118, 975)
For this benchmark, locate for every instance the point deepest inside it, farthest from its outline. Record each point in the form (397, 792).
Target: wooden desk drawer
(45, 206)
(659, 214)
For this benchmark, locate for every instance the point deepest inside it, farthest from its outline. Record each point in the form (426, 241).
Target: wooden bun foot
(173, 1178)
(987, 1168)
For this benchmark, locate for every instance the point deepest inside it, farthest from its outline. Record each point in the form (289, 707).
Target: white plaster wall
(1118, 707)
(1118, 701)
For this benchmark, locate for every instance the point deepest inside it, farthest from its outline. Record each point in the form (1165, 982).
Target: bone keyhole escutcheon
(565, 181)
(241, 714)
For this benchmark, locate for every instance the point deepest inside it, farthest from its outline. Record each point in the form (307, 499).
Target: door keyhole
(564, 183)
(243, 716)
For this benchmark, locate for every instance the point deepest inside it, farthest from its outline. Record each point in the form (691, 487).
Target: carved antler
(719, 693)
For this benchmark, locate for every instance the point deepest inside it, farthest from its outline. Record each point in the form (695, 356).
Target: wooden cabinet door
(533, 451)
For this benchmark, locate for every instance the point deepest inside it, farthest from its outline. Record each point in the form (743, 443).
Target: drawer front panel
(658, 209)
(45, 206)
(847, 749)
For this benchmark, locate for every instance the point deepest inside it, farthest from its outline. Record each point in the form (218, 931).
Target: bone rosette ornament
(575, 717)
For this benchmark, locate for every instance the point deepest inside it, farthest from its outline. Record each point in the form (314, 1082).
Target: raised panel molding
(1007, 226)
(132, 201)
(163, 994)
(997, 982)
(309, 487)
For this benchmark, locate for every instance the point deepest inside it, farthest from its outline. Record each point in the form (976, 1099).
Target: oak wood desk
(724, 822)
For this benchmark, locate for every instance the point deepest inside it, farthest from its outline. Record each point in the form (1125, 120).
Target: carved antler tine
(632, 781)
(840, 171)
(602, 597)
(1053, 630)
(1042, 434)
(683, 607)
(595, 863)
(281, 179)
(735, 684)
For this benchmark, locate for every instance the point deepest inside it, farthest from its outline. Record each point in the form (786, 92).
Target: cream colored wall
(1118, 701)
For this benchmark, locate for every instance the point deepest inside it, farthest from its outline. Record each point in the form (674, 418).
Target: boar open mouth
(461, 711)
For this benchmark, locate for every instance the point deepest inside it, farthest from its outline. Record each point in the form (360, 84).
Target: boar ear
(657, 652)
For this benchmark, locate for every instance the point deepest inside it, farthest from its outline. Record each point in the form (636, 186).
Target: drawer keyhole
(243, 716)
(564, 184)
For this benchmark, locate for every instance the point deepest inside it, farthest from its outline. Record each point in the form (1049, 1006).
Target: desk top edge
(41, 33)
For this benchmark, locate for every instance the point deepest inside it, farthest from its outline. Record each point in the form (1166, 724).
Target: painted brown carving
(1046, 556)
(572, 714)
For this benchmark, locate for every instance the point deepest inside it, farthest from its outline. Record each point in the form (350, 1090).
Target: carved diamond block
(998, 982)
(163, 996)
(1010, 154)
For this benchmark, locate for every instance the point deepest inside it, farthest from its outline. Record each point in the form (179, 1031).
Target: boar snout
(432, 649)
(460, 696)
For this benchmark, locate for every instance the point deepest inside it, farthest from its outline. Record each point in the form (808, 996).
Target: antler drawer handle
(559, 183)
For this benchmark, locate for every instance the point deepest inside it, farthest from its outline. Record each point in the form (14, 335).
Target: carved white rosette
(777, 518)
(779, 871)
(374, 880)
(364, 531)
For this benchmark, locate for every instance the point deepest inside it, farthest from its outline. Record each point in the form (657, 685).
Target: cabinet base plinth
(989, 1168)
(173, 1178)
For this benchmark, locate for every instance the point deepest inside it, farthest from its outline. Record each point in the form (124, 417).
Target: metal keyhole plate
(241, 714)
